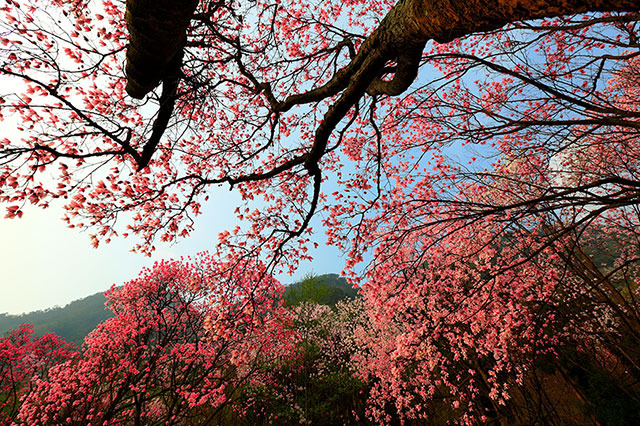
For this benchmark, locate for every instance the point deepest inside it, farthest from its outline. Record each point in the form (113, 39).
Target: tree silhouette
(259, 97)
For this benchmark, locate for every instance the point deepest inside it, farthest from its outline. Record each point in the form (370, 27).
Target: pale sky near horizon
(44, 264)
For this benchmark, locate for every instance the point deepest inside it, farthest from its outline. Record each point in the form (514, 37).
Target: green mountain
(325, 289)
(71, 322)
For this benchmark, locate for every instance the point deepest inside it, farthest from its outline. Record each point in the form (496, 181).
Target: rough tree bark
(157, 35)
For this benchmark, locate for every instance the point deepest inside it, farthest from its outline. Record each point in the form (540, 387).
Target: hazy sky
(43, 263)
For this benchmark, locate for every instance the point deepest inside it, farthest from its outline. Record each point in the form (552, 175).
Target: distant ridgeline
(74, 321)
(324, 289)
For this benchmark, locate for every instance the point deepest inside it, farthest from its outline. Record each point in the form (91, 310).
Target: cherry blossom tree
(479, 158)
(184, 337)
(476, 294)
(25, 358)
(269, 99)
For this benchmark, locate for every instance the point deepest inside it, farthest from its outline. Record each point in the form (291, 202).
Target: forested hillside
(71, 322)
(326, 289)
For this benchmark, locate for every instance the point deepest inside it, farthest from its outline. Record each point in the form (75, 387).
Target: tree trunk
(157, 34)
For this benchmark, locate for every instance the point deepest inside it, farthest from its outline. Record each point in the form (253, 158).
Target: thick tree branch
(157, 34)
(407, 28)
(167, 102)
(400, 38)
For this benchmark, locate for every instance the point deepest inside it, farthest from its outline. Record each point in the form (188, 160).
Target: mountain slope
(325, 289)
(71, 322)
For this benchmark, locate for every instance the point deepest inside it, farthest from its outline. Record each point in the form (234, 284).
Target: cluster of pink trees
(191, 343)
(25, 358)
(184, 338)
(476, 161)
